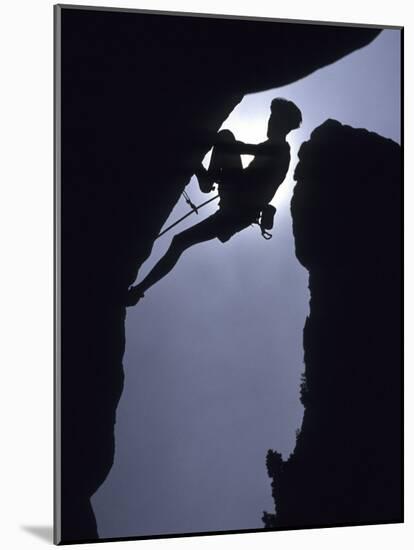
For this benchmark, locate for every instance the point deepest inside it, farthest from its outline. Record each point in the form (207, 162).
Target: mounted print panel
(228, 274)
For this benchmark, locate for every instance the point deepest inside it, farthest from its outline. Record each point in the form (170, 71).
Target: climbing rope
(194, 209)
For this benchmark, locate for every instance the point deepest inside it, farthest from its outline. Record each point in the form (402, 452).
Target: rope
(196, 208)
(189, 202)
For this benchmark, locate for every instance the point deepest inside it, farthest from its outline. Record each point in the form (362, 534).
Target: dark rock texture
(142, 97)
(347, 221)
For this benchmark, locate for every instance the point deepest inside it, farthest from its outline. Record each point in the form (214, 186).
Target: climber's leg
(203, 231)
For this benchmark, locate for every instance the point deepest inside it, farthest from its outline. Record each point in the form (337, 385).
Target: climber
(244, 193)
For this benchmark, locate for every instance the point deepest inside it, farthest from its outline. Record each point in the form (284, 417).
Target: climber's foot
(134, 295)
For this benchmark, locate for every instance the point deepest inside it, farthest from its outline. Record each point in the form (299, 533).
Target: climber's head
(285, 116)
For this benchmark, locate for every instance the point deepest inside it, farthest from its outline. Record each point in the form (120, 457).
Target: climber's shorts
(222, 225)
(229, 222)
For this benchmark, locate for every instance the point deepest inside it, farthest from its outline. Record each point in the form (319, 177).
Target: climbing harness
(265, 223)
(265, 234)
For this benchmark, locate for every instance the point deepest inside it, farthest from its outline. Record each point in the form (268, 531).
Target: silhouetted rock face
(346, 209)
(141, 99)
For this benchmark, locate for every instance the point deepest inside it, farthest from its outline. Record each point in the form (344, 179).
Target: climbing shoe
(134, 295)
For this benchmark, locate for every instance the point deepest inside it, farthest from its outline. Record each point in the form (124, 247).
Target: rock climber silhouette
(245, 194)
